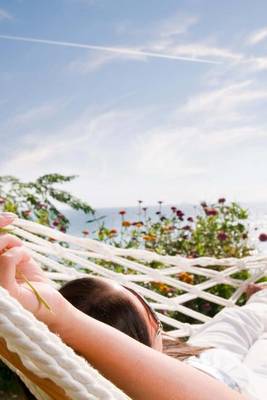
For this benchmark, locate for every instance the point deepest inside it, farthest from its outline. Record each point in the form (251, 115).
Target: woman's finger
(6, 218)
(8, 241)
(9, 261)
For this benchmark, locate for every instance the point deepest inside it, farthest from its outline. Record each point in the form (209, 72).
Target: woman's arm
(141, 372)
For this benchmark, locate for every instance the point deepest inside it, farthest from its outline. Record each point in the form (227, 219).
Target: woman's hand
(22, 277)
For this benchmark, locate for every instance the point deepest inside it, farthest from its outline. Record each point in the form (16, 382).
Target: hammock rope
(46, 247)
(47, 356)
(64, 257)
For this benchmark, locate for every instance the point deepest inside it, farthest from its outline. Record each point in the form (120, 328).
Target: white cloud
(4, 15)
(35, 114)
(193, 49)
(225, 100)
(257, 36)
(86, 138)
(96, 61)
(177, 25)
(124, 154)
(164, 152)
(119, 160)
(256, 63)
(205, 50)
(172, 37)
(164, 36)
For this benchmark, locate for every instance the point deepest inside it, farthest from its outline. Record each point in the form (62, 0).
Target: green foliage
(40, 200)
(218, 230)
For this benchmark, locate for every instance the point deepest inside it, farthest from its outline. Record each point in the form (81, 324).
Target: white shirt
(238, 336)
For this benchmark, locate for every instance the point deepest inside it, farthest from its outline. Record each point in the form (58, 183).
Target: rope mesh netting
(65, 257)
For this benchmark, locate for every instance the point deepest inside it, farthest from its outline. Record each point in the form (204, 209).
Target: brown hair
(97, 298)
(180, 349)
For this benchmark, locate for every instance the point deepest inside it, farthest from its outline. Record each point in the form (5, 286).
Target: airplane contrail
(118, 50)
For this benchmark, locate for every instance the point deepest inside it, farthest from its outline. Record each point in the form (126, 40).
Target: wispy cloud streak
(258, 36)
(4, 15)
(117, 50)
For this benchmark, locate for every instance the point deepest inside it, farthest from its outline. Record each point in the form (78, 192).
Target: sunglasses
(148, 308)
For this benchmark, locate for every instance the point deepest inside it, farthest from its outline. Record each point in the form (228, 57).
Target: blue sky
(133, 126)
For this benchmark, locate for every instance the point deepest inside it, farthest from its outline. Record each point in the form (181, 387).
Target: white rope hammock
(46, 356)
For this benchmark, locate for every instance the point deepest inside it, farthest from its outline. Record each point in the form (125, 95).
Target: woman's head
(115, 305)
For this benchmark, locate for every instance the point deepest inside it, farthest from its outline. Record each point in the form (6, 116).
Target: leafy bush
(218, 230)
(39, 200)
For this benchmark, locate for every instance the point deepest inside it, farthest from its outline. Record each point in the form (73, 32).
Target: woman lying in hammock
(142, 372)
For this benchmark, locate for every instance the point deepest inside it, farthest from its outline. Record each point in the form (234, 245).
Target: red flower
(173, 209)
(190, 219)
(179, 213)
(210, 211)
(263, 237)
(221, 200)
(122, 212)
(186, 228)
(222, 236)
(85, 232)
